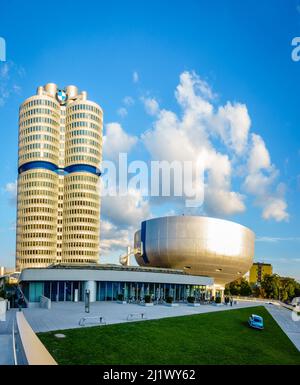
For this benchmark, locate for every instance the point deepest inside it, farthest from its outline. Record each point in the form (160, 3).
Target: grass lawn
(212, 338)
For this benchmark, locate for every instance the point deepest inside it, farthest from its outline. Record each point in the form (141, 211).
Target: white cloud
(151, 106)
(199, 131)
(116, 140)
(277, 239)
(135, 77)
(113, 238)
(275, 208)
(121, 217)
(260, 180)
(186, 138)
(122, 112)
(259, 155)
(11, 188)
(128, 101)
(10, 73)
(127, 210)
(233, 125)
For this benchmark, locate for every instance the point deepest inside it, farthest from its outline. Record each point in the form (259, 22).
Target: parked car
(256, 322)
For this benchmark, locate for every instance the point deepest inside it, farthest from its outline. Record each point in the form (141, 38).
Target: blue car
(256, 322)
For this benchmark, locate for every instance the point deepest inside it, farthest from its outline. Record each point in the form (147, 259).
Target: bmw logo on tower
(61, 96)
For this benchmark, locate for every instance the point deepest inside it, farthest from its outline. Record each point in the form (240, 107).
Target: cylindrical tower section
(37, 182)
(81, 219)
(83, 154)
(37, 218)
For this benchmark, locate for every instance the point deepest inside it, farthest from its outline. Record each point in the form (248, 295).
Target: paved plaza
(66, 315)
(6, 343)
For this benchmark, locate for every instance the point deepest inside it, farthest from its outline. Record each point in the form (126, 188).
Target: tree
(238, 287)
(271, 286)
(245, 288)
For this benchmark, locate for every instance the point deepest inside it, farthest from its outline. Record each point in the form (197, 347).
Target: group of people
(228, 300)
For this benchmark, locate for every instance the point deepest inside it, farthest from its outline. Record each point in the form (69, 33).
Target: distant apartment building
(60, 150)
(258, 271)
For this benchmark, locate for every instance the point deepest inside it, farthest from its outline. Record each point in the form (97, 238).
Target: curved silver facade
(204, 246)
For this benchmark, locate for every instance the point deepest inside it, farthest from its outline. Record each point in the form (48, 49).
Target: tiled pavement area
(67, 315)
(6, 347)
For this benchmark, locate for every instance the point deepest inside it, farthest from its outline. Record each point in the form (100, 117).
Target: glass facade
(109, 291)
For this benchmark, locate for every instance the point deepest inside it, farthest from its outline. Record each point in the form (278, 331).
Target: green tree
(245, 288)
(271, 286)
(239, 287)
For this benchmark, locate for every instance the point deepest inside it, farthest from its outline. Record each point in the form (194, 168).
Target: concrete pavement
(66, 315)
(6, 342)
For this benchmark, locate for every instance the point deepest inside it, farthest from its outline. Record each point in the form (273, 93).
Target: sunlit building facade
(60, 150)
(258, 271)
(198, 245)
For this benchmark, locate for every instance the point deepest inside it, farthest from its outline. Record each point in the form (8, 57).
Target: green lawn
(211, 338)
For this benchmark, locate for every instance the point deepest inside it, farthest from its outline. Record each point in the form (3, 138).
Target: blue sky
(131, 56)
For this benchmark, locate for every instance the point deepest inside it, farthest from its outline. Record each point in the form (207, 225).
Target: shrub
(191, 299)
(147, 298)
(218, 300)
(169, 299)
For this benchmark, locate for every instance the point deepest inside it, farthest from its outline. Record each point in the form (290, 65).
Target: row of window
(82, 194)
(27, 193)
(32, 218)
(40, 102)
(38, 201)
(38, 175)
(81, 253)
(82, 123)
(88, 150)
(73, 186)
(39, 183)
(83, 132)
(76, 229)
(40, 235)
(36, 252)
(34, 146)
(37, 155)
(83, 115)
(85, 107)
(84, 140)
(36, 209)
(82, 177)
(83, 158)
(30, 129)
(81, 236)
(36, 226)
(37, 243)
(81, 203)
(90, 245)
(39, 119)
(39, 137)
(81, 211)
(35, 111)
(80, 220)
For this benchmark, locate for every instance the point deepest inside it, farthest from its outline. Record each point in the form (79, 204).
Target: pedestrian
(231, 301)
(20, 303)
